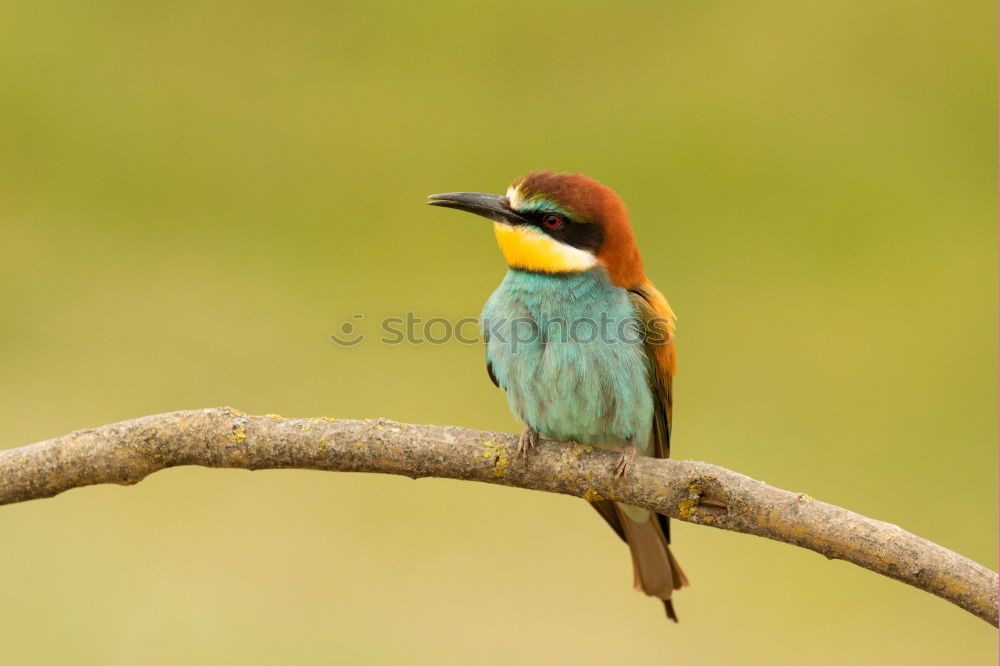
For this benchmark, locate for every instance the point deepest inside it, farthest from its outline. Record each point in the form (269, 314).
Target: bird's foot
(528, 440)
(625, 460)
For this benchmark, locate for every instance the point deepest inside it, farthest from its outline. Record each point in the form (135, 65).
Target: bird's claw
(624, 465)
(528, 440)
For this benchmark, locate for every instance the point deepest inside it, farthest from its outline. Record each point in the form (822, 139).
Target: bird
(582, 342)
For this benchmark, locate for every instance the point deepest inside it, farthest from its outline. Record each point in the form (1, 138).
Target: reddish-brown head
(557, 223)
(593, 219)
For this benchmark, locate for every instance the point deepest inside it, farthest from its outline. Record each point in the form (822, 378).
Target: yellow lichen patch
(688, 507)
(498, 452)
(579, 449)
(275, 417)
(708, 520)
(592, 495)
(331, 419)
(322, 447)
(239, 434)
(237, 412)
(953, 587)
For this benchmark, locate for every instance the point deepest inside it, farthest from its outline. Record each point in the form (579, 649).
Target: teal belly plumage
(569, 353)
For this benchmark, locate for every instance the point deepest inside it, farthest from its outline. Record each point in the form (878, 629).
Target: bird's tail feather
(655, 568)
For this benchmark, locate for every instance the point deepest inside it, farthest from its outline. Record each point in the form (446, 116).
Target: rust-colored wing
(658, 320)
(655, 313)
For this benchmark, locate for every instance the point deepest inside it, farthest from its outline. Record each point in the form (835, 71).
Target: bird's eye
(552, 221)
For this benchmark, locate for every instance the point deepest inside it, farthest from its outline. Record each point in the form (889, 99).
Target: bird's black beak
(490, 206)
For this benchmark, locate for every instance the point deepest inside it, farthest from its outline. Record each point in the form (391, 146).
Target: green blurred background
(193, 196)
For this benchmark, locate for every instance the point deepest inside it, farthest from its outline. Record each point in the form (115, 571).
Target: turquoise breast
(568, 351)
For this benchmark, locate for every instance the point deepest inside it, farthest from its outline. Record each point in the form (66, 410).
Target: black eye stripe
(580, 235)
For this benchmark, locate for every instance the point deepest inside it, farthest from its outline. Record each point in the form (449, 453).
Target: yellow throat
(529, 249)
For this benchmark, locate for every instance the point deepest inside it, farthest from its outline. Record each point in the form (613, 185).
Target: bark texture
(694, 492)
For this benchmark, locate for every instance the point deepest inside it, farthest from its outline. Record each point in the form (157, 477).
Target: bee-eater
(581, 341)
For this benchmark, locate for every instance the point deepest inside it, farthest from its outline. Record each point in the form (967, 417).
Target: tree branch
(696, 492)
